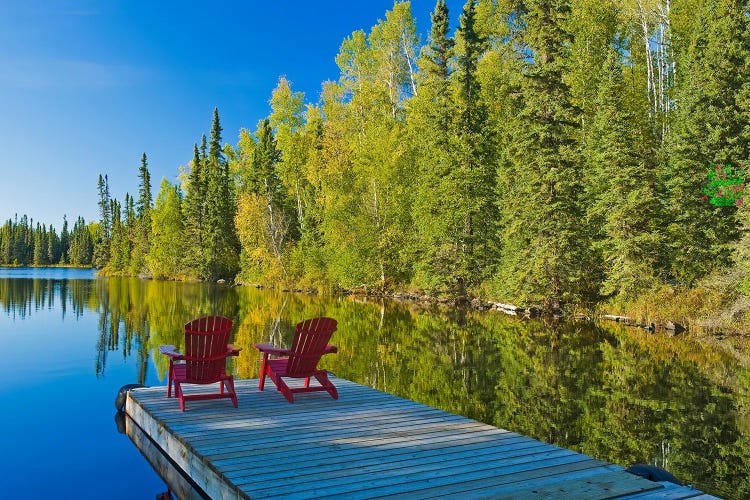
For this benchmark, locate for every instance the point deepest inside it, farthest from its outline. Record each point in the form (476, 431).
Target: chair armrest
(270, 349)
(170, 351)
(234, 350)
(330, 349)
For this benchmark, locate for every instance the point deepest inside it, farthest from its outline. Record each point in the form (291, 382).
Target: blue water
(58, 437)
(50, 273)
(70, 340)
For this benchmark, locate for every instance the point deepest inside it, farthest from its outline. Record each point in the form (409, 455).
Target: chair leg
(287, 392)
(263, 370)
(325, 382)
(178, 394)
(230, 388)
(169, 379)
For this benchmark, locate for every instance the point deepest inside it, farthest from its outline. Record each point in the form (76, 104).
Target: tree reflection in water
(620, 395)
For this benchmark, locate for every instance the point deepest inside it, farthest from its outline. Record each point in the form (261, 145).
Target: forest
(551, 152)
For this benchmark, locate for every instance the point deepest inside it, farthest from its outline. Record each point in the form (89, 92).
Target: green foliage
(81, 250)
(195, 214)
(550, 152)
(454, 210)
(545, 240)
(622, 204)
(265, 220)
(165, 256)
(120, 244)
(102, 240)
(221, 246)
(710, 127)
(140, 226)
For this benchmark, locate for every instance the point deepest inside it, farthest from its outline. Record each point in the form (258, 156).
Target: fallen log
(618, 319)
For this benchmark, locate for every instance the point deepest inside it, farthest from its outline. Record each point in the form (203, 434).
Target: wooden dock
(366, 444)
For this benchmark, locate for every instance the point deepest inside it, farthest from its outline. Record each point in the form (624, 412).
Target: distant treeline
(22, 243)
(547, 151)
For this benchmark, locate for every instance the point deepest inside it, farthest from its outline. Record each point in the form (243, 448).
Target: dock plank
(365, 444)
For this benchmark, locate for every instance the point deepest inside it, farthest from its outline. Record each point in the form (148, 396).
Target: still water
(71, 340)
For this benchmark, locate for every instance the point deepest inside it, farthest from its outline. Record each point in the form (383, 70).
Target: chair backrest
(310, 339)
(206, 342)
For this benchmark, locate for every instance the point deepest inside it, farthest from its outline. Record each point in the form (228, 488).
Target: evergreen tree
(81, 244)
(141, 228)
(741, 250)
(621, 196)
(204, 147)
(64, 241)
(195, 223)
(476, 160)
(119, 242)
(263, 177)
(144, 189)
(432, 127)
(710, 128)
(6, 242)
(102, 243)
(22, 251)
(40, 245)
(53, 247)
(544, 238)
(222, 247)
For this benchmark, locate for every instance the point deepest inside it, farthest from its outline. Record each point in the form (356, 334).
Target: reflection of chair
(310, 343)
(205, 360)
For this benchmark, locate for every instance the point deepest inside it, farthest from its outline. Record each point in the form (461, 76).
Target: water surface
(626, 396)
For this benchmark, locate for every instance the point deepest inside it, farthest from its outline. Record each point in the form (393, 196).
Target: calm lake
(71, 340)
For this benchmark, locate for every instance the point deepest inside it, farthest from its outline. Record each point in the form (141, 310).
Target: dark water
(70, 341)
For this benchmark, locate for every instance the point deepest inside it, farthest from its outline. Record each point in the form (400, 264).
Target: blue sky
(87, 86)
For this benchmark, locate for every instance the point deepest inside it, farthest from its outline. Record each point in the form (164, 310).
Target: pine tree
(64, 242)
(144, 189)
(40, 245)
(81, 244)
(195, 217)
(476, 159)
(6, 242)
(119, 242)
(222, 247)
(102, 243)
(141, 228)
(709, 128)
(544, 238)
(263, 178)
(741, 250)
(432, 129)
(621, 195)
(53, 247)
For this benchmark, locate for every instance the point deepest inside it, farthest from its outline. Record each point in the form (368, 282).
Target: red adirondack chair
(205, 360)
(301, 361)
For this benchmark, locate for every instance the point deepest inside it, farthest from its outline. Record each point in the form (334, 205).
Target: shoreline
(719, 327)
